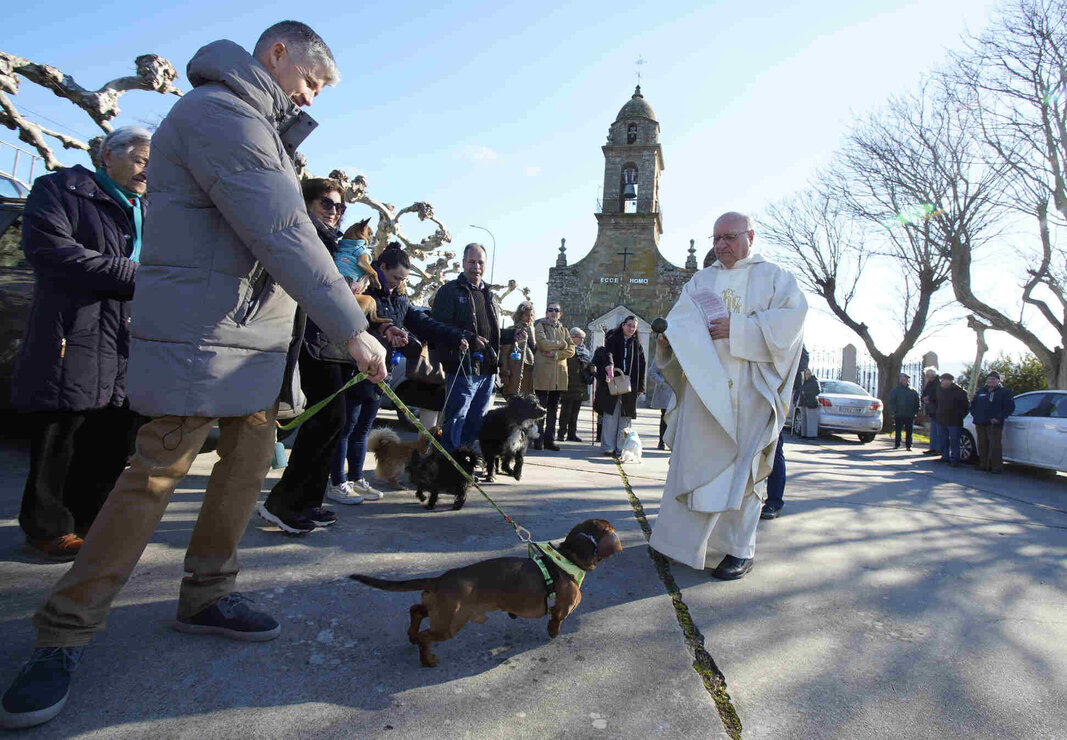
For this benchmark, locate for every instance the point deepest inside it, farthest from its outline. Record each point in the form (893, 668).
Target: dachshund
(513, 585)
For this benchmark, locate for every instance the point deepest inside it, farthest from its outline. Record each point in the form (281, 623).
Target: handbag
(619, 385)
(426, 368)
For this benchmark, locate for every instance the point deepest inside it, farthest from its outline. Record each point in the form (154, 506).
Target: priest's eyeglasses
(716, 238)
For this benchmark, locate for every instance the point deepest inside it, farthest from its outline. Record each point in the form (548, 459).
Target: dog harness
(541, 550)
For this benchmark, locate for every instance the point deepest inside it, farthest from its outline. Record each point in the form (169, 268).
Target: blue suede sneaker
(40, 690)
(232, 617)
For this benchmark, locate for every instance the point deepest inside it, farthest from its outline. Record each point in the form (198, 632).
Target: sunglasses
(553, 310)
(330, 205)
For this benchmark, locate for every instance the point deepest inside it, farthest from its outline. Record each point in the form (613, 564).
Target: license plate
(851, 410)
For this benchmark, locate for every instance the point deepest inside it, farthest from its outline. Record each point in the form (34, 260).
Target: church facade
(624, 273)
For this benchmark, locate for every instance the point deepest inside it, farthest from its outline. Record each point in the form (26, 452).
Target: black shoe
(731, 568)
(908, 449)
(661, 446)
(559, 437)
(896, 446)
(608, 453)
(288, 521)
(320, 516)
(232, 617)
(771, 511)
(40, 690)
(931, 452)
(574, 438)
(551, 446)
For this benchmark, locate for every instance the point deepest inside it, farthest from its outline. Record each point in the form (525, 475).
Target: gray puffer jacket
(228, 243)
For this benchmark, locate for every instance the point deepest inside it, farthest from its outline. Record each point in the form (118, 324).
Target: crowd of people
(251, 304)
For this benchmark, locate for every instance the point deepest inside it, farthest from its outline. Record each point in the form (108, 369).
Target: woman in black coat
(623, 354)
(80, 233)
(362, 400)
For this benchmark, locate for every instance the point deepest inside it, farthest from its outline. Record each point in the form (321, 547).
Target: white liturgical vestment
(731, 400)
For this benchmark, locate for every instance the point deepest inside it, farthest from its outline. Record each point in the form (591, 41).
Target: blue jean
(467, 404)
(776, 480)
(950, 443)
(935, 435)
(361, 406)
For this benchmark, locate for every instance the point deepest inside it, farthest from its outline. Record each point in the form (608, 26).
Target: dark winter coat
(613, 354)
(578, 368)
(809, 393)
(952, 405)
(77, 339)
(452, 306)
(987, 405)
(903, 402)
(929, 398)
(397, 308)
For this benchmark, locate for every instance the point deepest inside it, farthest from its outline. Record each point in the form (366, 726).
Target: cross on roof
(626, 253)
(639, 63)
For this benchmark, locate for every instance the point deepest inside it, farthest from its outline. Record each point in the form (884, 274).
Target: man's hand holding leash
(369, 355)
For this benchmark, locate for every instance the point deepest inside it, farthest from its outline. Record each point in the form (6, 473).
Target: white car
(1036, 434)
(845, 407)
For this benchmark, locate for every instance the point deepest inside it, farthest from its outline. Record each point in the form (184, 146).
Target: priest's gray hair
(304, 45)
(125, 139)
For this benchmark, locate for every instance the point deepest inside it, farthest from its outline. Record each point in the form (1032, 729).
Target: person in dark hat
(992, 404)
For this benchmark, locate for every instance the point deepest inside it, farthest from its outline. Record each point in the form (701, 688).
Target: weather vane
(639, 63)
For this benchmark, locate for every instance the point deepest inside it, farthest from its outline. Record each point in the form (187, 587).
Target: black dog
(436, 475)
(505, 432)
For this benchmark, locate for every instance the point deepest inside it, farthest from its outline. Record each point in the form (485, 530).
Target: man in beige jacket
(554, 346)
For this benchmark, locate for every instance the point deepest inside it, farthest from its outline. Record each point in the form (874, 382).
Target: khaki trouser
(990, 450)
(166, 448)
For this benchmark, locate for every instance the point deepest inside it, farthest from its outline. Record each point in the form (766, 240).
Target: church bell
(629, 192)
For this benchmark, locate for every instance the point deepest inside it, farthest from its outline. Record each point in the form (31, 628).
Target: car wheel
(968, 450)
(866, 437)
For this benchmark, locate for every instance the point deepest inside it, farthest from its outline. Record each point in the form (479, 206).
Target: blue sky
(495, 112)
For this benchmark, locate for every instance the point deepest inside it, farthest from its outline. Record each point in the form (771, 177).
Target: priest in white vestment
(730, 353)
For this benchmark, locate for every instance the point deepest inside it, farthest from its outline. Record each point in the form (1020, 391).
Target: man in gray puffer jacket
(228, 254)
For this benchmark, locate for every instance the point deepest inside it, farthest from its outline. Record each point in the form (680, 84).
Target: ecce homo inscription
(632, 281)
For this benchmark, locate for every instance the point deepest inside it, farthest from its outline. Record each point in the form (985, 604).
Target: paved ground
(895, 598)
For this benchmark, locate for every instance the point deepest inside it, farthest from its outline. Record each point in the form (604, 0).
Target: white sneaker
(365, 489)
(346, 493)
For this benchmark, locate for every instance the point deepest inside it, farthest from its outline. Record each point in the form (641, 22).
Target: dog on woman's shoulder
(505, 433)
(432, 473)
(392, 453)
(514, 585)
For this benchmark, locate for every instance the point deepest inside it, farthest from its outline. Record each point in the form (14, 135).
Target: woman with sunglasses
(295, 502)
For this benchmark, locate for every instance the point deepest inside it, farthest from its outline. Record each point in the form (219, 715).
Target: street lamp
(492, 269)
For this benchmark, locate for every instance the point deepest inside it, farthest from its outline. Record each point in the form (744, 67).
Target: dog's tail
(415, 584)
(380, 438)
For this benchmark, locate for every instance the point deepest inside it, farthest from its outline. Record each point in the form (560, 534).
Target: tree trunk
(979, 329)
(888, 376)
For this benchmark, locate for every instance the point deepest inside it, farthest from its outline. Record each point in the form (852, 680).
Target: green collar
(546, 549)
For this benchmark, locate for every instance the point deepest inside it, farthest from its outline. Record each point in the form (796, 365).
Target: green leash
(521, 532)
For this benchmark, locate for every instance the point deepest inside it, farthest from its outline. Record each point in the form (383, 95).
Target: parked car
(845, 407)
(1036, 434)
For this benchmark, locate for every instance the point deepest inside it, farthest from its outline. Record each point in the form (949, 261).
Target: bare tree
(1013, 81)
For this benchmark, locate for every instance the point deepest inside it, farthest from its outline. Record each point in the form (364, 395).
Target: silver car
(1036, 434)
(845, 407)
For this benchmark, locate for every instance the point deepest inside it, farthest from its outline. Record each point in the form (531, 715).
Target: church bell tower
(633, 160)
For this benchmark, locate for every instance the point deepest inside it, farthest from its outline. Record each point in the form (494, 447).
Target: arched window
(631, 133)
(629, 188)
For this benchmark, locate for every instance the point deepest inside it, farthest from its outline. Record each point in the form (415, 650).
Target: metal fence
(846, 363)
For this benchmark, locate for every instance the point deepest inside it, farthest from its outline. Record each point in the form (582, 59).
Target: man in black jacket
(81, 233)
(467, 304)
(952, 408)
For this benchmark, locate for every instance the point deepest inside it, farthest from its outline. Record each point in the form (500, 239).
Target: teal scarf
(131, 203)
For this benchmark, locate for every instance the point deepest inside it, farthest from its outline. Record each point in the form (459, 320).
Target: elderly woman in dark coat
(82, 234)
(623, 355)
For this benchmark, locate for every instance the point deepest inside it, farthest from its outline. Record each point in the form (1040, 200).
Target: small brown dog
(514, 585)
(391, 453)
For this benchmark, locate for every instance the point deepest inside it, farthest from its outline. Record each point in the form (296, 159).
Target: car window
(1032, 404)
(1058, 403)
(843, 386)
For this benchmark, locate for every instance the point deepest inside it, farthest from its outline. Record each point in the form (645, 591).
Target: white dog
(631, 447)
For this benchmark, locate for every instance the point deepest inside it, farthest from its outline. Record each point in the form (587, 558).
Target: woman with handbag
(620, 379)
(362, 400)
(517, 352)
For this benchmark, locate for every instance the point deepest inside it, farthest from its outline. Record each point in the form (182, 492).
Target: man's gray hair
(928, 370)
(474, 245)
(576, 332)
(125, 139)
(304, 45)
